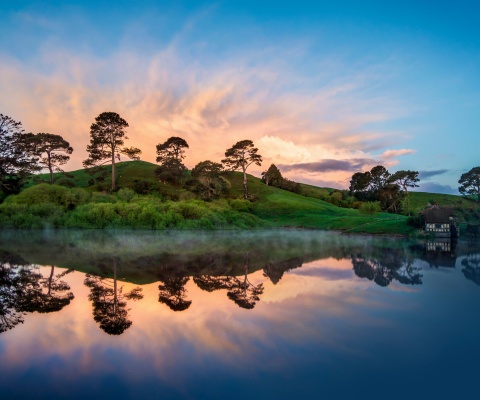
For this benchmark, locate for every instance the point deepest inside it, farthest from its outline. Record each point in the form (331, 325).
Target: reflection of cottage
(440, 221)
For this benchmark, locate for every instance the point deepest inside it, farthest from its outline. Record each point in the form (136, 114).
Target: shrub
(67, 182)
(370, 207)
(241, 205)
(125, 194)
(98, 197)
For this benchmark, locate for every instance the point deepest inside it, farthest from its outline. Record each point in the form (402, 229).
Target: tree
(240, 156)
(470, 183)
(170, 155)
(107, 136)
(17, 158)
(109, 302)
(360, 182)
(405, 179)
(53, 151)
(173, 148)
(207, 174)
(379, 177)
(272, 176)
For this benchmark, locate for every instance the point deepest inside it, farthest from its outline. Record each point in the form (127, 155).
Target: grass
(272, 207)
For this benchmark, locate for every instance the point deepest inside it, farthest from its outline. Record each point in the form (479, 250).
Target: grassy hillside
(273, 206)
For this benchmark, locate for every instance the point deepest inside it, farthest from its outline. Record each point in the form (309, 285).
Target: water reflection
(395, 264)
(23, 289)
(471, 267)
(213, 261)
(109, 301)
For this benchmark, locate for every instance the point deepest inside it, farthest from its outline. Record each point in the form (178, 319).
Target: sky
(324, 89)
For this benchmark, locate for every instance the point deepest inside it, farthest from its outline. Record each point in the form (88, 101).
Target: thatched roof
(438, 214)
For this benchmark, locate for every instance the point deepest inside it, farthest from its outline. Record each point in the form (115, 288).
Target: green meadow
(78, 203)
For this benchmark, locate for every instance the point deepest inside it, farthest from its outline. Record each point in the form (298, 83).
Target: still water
(259, 315)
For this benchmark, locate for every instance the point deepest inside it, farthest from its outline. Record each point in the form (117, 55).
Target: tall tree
(405, 179)
(53, 151)
(170, 155)
(240, 156)
(379, 177)
(207, 174)
(17, 158)
(107, 135)
(470, 183)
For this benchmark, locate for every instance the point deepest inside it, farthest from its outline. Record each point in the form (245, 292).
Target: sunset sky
(323, 88)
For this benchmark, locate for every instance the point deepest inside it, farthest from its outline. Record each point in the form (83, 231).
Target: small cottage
(440, 221)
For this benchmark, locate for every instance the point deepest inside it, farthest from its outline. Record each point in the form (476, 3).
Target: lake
(259, 315)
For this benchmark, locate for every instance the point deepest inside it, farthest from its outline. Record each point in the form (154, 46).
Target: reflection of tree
(173, 293)
(244, 293)
(276, 270)
(241, 291)
(45, 294)
(391, 265)
(471, 267)
(9, 290)
(109, 305)
(24, 289)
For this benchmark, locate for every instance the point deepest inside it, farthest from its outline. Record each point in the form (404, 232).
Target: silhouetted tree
(173, 293)
(211, 283)
(406, 179)
(53, 151)
(17, 158)
(109, 302)
(240, 156)
(470, 183)
(272, 176)
(170, 155)
(107, 135)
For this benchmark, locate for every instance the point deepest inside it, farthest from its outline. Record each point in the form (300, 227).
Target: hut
(440, 221)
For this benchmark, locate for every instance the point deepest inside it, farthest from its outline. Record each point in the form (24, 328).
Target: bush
(98, 197)
(67, 182)
(241, 205)
(125, 195)
(370, 207)
(416, 221)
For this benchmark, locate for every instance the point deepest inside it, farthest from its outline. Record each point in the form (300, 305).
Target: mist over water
(257, 314)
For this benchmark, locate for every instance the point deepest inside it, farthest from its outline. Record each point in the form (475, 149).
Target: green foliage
(241, 205)
(125, 194)
(98, 197)
(67, 182)
(370, 207)
(470, 183)
(416, 221)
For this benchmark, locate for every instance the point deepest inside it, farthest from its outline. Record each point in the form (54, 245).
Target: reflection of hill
(146, 257)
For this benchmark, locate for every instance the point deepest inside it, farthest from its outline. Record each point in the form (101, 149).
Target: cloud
(352, 165)
(432, 187)
(429, 174)
(395, 153)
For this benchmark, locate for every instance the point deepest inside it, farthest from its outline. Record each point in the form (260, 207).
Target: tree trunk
(113, 170)
(50, 168)
(115, 285)
(245, 192)
(50, 280)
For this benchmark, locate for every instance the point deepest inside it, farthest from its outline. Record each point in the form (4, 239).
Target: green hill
(271, 207)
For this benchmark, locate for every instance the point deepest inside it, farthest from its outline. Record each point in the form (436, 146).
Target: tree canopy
(207, 177)
(53, 151)
(17, 157)
(470, 183)
(107, 135)
(170, 155)
(240, 156)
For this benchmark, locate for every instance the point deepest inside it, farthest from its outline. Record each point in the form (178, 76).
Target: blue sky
(323, 88)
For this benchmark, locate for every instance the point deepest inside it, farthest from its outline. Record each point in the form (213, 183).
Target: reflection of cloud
(429, 174)
(433, 187)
